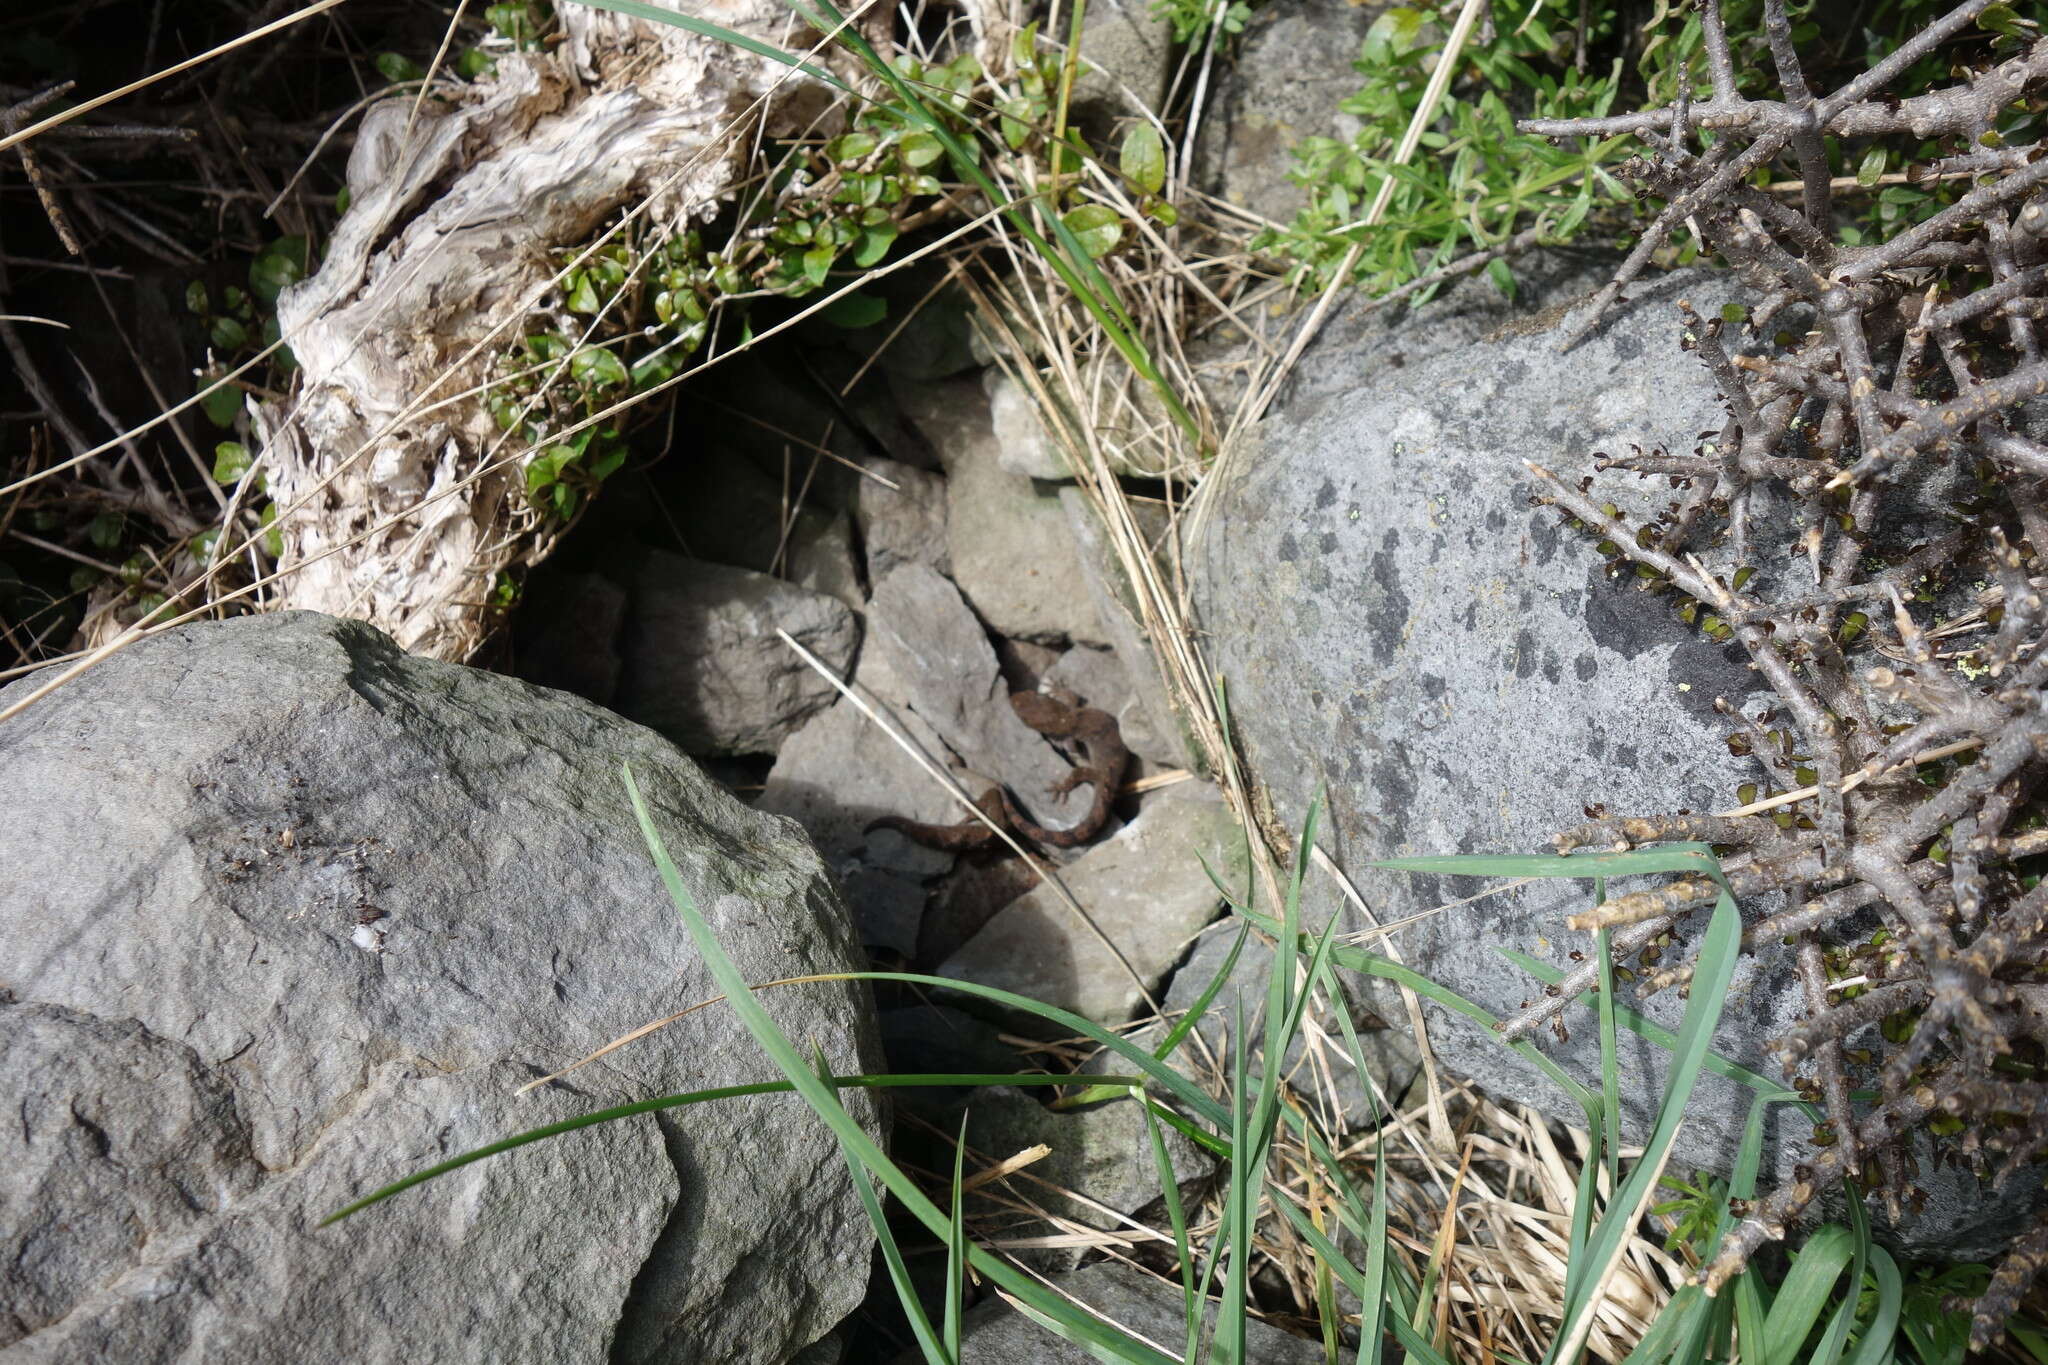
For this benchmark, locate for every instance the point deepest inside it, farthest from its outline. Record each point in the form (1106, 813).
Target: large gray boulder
(1460, 673)
(286, 914)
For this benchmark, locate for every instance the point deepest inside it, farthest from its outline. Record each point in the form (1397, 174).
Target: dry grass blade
(99, 101)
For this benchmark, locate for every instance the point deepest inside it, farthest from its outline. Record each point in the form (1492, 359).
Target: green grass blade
(1177, 1219)
(1643, 1026)
(1716, 966)
(1677, 1320)
(853, 1138)
(1195, 1011)
(1417, 1346)
(928, 1342)
(1804, 1293)
(1240, 1204)
(1875, 1347)
(1836, 1338)
(1610, 1080)
(1358, 960)
(678, 1101)
(956, 1251)
(1184, 1091)
(1674, 857)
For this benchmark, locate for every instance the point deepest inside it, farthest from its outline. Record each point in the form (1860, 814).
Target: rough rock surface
(1011, 551)
(1128, 54)
(902, 521)
(1292, 69)
(996, 1334)
(1023, 446)
(704, 665)
(287, 915)
(1146, 889)
(1461, 674)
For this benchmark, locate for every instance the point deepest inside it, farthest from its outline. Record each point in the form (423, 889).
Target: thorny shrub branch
(1874, 513)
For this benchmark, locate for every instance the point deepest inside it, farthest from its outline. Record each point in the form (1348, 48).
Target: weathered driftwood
(400, 499)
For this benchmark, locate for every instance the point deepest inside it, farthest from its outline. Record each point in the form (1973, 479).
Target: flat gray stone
(1011, 551)
(902, 521)
(1460, 673)
(1145, 888)
(703, 662)
(928, 655)
(836, 774)
(1023, 446)
(285, 915)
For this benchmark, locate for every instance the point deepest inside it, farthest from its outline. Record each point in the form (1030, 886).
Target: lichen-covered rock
(1459, 672)
(285, 915)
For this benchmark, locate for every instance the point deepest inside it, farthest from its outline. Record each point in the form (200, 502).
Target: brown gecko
(1057, 715)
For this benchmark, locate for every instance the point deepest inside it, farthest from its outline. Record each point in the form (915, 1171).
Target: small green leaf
(222, 405)
(856, 310)
(1734, 313)
(231, 461)
(227, 334)
(195, 298)
(342, 199)
(1503, 278)
(105, 530)
(1098, 227)
(582, 297)
(398, 69)
(474, 64)
(280, 264)
(920, 150)
(546, 466)
(273, 539)
(1161, 212)
(851, 146)
(818, 262)
(1871, 167)
(597, 367)
(1143, 158)
(874, 244)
